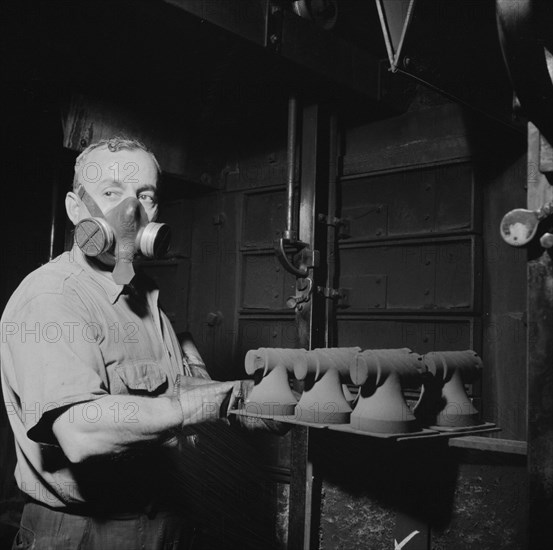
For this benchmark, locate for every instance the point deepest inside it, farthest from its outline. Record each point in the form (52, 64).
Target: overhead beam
(246, 18)
(293, 39)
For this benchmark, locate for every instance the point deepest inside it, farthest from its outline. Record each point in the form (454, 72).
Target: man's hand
(239, 396)
(202, 400)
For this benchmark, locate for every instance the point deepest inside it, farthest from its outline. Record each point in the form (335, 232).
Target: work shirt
(71, 335)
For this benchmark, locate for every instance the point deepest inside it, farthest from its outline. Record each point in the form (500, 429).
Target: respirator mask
(124, 231)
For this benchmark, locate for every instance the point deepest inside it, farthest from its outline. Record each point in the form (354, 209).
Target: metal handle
(283, 259)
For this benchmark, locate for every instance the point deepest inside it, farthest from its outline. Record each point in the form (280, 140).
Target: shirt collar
(103, 278)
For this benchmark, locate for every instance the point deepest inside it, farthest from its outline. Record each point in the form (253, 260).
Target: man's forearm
(114, 423)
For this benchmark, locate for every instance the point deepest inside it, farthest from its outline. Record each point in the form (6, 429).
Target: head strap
(89, 202)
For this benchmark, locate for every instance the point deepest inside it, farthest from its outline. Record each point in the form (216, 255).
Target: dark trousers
(44, 528)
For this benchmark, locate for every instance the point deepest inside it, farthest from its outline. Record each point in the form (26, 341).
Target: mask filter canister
(94, 236)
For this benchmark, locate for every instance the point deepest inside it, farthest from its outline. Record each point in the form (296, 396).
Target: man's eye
(148, 199)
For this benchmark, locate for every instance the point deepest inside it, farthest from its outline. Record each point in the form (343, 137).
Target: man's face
(111, 177)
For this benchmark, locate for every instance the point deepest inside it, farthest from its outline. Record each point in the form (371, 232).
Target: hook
(283, 259)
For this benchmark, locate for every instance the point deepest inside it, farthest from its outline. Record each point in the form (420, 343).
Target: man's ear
(73, 207)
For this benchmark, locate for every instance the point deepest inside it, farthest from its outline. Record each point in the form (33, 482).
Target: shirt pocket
(139, 378)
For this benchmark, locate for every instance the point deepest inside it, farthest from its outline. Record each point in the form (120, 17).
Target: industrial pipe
(289, 233)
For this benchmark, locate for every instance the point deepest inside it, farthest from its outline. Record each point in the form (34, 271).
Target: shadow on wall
(470, 499)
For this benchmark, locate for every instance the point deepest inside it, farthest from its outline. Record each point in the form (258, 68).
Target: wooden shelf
(479, 443)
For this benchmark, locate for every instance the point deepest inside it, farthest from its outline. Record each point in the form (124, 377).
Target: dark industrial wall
(238, 302)
(504, 302)
(240, 289)
(424, 194)
(33, 168)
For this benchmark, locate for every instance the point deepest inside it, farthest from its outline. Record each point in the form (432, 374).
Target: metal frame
(394, 54)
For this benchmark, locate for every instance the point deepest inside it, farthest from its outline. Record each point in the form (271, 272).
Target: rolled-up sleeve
(52, 360)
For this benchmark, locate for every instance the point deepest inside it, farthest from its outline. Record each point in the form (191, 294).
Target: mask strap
(89, 202)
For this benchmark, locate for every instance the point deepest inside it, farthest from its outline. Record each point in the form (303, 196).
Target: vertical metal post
(331, 232)
(311, 320)
(314, 201)
(540, 363)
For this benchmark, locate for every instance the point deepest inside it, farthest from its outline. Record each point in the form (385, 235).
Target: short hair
(114, 144)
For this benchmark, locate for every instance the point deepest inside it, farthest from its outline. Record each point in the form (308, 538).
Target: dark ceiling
(155, 54)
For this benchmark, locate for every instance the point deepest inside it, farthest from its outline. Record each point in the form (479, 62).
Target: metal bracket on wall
(273, 38)
(339, 294)
(343, 225)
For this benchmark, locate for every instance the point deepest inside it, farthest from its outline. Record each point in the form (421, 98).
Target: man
(92, 374)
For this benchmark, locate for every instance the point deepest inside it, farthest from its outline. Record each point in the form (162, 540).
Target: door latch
(303, 293)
